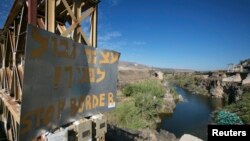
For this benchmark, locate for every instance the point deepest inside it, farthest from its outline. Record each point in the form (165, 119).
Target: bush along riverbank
(235, 113)
(141, 103)
(208, 85)
(236, 95)
(190, 82)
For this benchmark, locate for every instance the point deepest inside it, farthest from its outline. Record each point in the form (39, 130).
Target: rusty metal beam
(32, 12)
(13, 13)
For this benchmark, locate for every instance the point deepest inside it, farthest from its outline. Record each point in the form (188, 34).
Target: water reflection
(191, 116)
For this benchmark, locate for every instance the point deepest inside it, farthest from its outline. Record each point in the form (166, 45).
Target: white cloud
(110, 36)
(113, 2)
(139, 43)
(118, 45)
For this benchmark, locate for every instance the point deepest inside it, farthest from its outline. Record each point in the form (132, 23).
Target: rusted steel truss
(74, 19)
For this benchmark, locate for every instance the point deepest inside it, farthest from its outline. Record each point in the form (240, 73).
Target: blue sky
(190, 34)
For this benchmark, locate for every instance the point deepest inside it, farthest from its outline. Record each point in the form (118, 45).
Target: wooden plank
(61, 28)
(74, 21)
(11, 105)
(94, 27)
(73, 26)
(86, 14)
(84, 36)
(19, 29)
(13, 13)
(9, 36)
(65, 3)
(68, 30)
(78, 11)
(41, 23)
(51, 15)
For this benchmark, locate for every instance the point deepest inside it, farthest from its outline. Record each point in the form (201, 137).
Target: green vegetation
(126, 116)
(241, 108)
(174, 93)
(235, 113)
(147, 86)
(227, 118)
(189, 82)
(141, 106)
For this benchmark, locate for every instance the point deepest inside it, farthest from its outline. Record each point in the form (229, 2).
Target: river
(192, 115)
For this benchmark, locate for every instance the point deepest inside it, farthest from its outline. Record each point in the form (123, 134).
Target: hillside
(124, 65)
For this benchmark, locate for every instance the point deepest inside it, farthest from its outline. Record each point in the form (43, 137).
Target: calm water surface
(192, 115)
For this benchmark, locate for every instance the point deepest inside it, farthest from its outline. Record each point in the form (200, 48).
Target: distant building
(234, 68)
(243, 66)
(246, 65)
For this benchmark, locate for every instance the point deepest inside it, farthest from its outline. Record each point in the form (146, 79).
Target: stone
(147, 135)
(153, 135)
(205, 76)
(224, 75)
(217, 90)
(188, 137)
(159, 75)
(234, 78)
(166, 136)
(247, 80)
(180, 98)
(168, 103)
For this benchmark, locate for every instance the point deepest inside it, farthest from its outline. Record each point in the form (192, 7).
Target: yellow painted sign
(63, 82)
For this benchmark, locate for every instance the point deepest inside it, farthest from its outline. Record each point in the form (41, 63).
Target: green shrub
(190, 82)
(141, 110)
(227, 118)
(174, 93)
(127, 116)
(241, 107)
(148, 105)
(147, 86)
(128, 90)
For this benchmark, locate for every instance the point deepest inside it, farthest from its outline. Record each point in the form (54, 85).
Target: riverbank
(240, 109)
(194, 84)
(191, 116)
(235, 94)
(139, 105)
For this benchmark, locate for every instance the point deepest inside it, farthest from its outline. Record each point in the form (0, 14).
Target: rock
(168, 103)
(204, 76)
(166, 136)
(158, 74)
(224, 75)
(188, 137)
(165, 84)
(217, 90)
(180, 98)
(147, 135)
(121, 134)
(234, 78)
(126, 76)
(153, 135)
(247, 80)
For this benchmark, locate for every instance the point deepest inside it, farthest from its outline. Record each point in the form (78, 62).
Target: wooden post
(93, 31)
(50, 15)
(95, 27)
